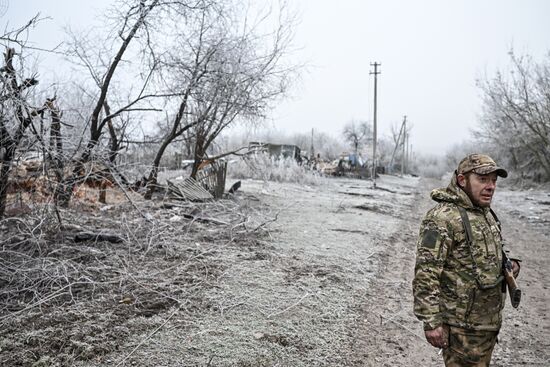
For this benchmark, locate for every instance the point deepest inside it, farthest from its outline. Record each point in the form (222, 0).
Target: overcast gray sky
(431, 53)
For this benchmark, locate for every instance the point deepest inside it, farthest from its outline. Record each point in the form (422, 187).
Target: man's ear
(461, 179)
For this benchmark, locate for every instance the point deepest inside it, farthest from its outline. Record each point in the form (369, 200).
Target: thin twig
(289, 307)
(147, 338)
(398, 324)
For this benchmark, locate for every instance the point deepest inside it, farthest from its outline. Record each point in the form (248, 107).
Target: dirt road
(332, 286)
(524, 336)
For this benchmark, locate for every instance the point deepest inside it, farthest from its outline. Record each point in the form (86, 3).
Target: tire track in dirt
(351, 231)
(390, 335)
(525, 335)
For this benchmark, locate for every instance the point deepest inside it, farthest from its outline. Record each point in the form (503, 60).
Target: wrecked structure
(276, 150)
(349, 164)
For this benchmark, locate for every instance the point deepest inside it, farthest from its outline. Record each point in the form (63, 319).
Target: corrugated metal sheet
(189, 189)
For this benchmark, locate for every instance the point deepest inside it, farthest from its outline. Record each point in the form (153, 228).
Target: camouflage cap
(481, 164)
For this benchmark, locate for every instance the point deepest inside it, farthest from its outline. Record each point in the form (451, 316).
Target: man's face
(480, 188)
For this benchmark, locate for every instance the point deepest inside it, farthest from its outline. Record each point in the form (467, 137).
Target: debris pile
(77, 283)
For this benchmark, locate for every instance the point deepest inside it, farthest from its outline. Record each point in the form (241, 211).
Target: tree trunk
(199, 155)
(5, 169)
(64, 194)
(65, 189)
(56, 142)
(103, 192)
(9, 143)
(4, 177)
(153, 175)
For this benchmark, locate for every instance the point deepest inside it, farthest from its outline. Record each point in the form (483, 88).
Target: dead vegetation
(66, 297)
(268, 168)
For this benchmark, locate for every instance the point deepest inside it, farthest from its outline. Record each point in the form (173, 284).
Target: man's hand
(437, 337)
(515, 268)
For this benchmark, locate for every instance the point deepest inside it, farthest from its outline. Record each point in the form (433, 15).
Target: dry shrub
(431, 166)
(84, 297)
(267, 168)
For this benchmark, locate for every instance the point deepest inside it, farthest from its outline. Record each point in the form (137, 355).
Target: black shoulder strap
(504, 255)
(496, 218)
(466, 224)
(469, 241)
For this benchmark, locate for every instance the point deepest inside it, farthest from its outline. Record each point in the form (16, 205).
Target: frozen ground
(333, 286)
(330, 285)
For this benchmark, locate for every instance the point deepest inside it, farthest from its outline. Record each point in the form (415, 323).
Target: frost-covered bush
(430, 166)
(267, 168)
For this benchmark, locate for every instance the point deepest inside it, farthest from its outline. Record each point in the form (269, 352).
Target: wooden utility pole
(312, 149)
(397, 143)
(375, 72)
(407, 161)
(411, 155)
(403, 157)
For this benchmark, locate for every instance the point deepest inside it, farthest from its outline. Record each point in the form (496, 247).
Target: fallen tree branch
(204, 219)
(265, 223)
(56, 294)
(90, 236)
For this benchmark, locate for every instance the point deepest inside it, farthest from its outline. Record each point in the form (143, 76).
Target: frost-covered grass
(266, 168)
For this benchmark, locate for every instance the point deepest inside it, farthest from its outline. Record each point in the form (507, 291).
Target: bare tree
(189, 70)
(16, 114)
(357, 134)
(225, 73)
(325, 146)
(516, 115)
(242, 86)
(133, 21)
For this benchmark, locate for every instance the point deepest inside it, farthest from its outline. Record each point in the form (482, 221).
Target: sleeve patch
(429, 239)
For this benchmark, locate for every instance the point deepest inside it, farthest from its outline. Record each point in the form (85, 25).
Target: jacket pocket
(485, 306)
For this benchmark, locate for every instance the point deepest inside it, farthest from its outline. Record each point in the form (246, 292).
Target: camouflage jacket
(455, 283)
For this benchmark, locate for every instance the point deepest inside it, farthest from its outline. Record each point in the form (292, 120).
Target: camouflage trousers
(469, 348)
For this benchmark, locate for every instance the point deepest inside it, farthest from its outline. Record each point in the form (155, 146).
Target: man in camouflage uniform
(458, 275)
